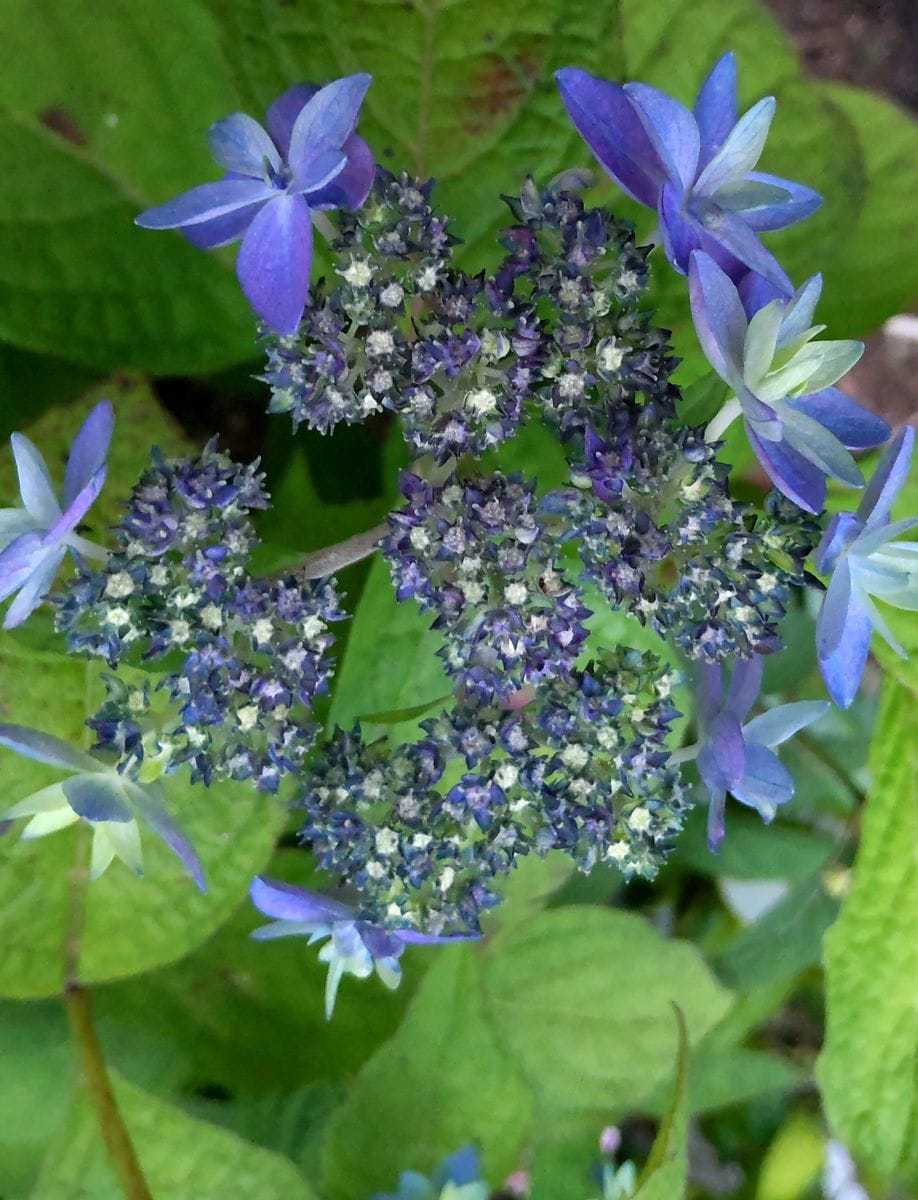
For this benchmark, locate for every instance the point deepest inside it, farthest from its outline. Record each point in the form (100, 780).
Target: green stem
(118, 1144)
(121, 1152)
(724, 419)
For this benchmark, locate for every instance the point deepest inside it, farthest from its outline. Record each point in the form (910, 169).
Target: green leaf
(867, 1070)
(35, 1052)
(391, 662)
(182, 1158)
(871, 278)
(442, 1082)
(752, 850)
(664, 1175)
(581, 999)
(104, 119)
(131, 925)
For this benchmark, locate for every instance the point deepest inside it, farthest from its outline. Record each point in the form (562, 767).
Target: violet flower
(456, 1178)
(799, 426)
(736, 757)
(356, 946)
(860, 552)
(696, 168)
(96, 793)
(34, 539)
(308, 159)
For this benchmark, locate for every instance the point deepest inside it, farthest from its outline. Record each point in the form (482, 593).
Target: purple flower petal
(671, 128)
(206, 203)
(222, 231)
(351, 188)
(19, 559)
(414, 937)
(767, 783)
(745, 684)
(90, 446)
(801, 203)
(149, 803)
(719, 317)
(35, 485)
(734, 234)
(717, 805)
(740, 151)
(77, 509)
(839, 534)
(96, 798)
(321, 171)
(282, 114)
(715, 108)
(854, 427)
(755, 292)
(326, 121)
(721, 759)
(274, 262)
(843, 666)
(819, 445)
(240, 144)
(461, 1169)
(607, 121)
(289, 903)
(776, 726)
(679, 238)
(709, 690)
(887, 479)
(792, 474)
(45, 748)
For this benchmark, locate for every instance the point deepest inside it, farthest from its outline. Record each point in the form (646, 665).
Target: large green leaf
(391, 662)
(131, 925)
(867, 1071)
(442, 1082)
(581, 998)
(182, 1158)
(96, 123)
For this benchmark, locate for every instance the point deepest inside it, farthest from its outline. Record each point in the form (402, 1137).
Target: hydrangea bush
(611, 574)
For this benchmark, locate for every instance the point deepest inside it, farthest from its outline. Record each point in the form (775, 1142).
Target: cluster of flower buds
(253, 652)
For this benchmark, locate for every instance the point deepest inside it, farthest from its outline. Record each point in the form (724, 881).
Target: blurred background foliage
(561, 1021)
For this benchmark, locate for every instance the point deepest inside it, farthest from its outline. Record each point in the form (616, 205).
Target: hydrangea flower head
(800, 427)
(308, 158)
(110, 803)
(736, 756)
(35, 538)
(695, 168)
(862, 554)
(355, 947)
(456, 1178)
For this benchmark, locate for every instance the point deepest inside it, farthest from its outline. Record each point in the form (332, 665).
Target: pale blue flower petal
(351, 188)
(320, 171)
(843, 666)
(815, 443)
(35, 485)
(741, 150)
(720, 321)
(13, 523)
(97, 797)
(240, 144)
(206, 203)
(800, 310)
(671, 128)
(802, 202)
(149, 803)
(776, 726)
(853, 426)
(767, 783)
(35, 587)
(887, 480)
(326, 121)
(834, 613)
(45, 748)
(745, 684)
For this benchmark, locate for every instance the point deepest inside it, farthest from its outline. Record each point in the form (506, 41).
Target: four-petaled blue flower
(738, 758)
(800, 427)
(35, 538)
(96, 793)
(456, 1178)
(356, 946)
(308, 158)
(696, 168)
(860, 552)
